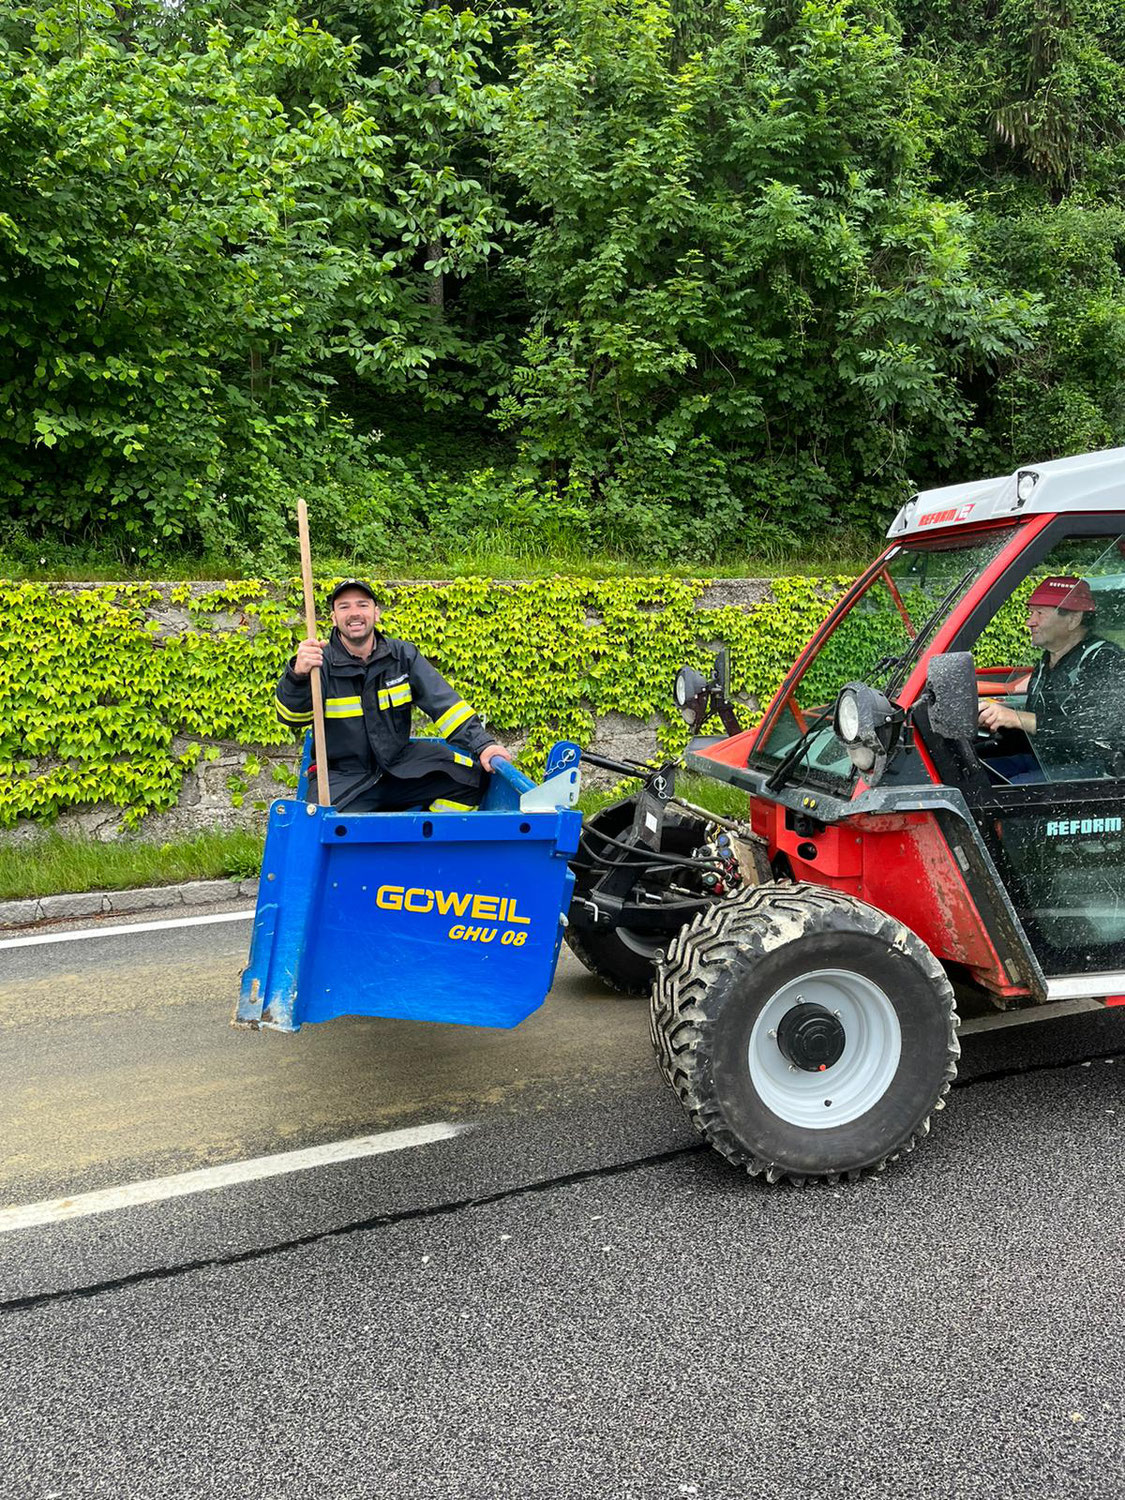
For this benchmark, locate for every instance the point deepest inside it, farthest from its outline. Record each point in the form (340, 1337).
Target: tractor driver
(1075, 709)
(370, 682)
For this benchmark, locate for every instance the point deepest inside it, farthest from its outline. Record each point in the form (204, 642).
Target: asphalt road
(569, 1299)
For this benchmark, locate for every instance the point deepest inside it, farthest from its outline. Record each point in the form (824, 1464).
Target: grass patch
(486, 557)
(56, 864)
(716, 796)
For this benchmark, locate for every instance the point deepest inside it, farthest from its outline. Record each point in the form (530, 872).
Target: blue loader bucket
(420, 916)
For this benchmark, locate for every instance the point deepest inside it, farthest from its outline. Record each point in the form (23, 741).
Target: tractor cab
(936, 812)
(973, 679)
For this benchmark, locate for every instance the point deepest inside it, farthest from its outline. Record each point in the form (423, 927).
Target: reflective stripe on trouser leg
(399, 794)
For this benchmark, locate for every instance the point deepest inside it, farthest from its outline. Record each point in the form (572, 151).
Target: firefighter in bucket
(371, 682)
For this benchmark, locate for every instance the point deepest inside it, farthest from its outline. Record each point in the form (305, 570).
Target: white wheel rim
(849, 1087)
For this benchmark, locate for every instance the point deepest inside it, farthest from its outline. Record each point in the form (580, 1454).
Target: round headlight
(867, 725)
(688, 686)
(1025, 484)
(847, 716)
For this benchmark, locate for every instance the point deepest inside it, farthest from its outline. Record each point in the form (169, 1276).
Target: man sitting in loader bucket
(370, 682)
(1075, 708)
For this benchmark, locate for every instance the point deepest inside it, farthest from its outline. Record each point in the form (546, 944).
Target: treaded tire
(626, 963)
(609, 960)
(711, 1005)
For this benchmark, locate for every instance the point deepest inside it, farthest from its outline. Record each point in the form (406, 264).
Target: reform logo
(1061, 827)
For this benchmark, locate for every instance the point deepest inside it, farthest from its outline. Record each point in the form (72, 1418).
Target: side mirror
(951, 681)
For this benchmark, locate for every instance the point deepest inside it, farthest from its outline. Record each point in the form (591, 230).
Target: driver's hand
(994, 716)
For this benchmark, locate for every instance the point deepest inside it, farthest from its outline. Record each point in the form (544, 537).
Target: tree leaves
(748, 299)
(706, 270)
(193, 228)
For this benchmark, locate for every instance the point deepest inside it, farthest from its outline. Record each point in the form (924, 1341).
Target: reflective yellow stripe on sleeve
(454, 717)
(290, 715)
(343, 708)
(462, 760)
(444, 805)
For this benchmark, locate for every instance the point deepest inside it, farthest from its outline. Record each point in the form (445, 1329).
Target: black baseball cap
(351, 583)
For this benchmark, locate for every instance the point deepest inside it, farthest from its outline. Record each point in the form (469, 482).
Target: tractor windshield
(876, 641)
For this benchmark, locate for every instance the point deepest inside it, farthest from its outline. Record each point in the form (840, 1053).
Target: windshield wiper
(777, 779)
(883, 665)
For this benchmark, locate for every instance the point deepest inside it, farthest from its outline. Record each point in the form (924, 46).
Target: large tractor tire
(807, 1034)
(624, 959)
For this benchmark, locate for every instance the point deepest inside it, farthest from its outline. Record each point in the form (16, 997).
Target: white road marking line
(55, 1210)
(96, 932)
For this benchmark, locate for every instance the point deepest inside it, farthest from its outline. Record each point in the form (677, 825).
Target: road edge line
(207, 1179)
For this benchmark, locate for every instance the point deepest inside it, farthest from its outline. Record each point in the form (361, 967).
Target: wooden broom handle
(322, 789)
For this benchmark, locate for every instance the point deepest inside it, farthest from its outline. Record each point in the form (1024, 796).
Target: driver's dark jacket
(1079, 707)
(367, 712)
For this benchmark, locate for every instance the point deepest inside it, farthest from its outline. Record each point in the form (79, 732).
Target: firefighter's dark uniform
(1079, 708)
(374, 764)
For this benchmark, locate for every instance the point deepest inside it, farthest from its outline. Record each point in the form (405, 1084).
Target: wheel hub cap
(824, 1048)
(811, 1037)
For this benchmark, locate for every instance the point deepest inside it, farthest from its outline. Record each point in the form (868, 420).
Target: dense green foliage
(197, 229)
(751, 304)
(98, 705)
(673, 280)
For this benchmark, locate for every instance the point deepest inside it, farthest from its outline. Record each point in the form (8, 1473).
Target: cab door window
(1051, 805)
(1051, 670)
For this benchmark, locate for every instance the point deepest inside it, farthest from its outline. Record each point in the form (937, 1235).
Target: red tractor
(936, 805)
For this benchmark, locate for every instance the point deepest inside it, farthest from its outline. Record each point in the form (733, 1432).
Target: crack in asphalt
(354, 1226)
(997, 1075)
(439, 1210)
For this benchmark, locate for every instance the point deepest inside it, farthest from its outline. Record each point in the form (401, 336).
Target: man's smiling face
(355, 616)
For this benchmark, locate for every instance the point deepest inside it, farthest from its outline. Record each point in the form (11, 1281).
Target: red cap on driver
(1064, 591)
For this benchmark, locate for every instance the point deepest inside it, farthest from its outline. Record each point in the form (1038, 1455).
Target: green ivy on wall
(1004, 641)
(98, 704)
